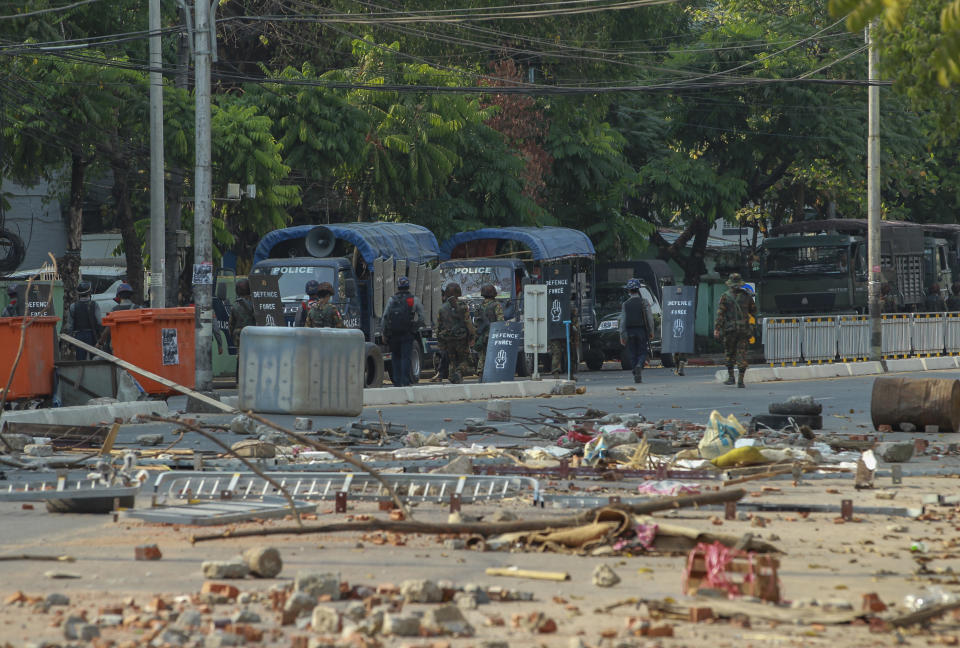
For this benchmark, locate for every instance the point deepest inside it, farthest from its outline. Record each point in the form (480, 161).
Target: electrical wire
(39, 12)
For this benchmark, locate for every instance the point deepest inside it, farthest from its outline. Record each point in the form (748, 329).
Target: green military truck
(820, 267)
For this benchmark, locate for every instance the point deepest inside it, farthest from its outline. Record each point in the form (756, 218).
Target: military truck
(511, 257)
(814, 267)
(361, 261)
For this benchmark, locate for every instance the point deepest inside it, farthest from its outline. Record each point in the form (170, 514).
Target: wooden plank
(527, 573)
(108, 442)
(148, 374)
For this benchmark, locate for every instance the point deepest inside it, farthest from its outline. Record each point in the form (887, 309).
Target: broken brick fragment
(147, 552)
(700, 614)
(211, 587)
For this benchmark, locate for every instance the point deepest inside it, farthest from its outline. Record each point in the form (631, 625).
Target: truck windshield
(472, 278)
(807, 260)
(293, 279)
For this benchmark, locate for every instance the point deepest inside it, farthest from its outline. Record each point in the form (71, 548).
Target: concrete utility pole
(202, 222)
(157, 215)
(873, 198)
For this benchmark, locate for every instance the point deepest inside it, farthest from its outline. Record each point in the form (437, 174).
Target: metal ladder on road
(341, 487)
(62, 488)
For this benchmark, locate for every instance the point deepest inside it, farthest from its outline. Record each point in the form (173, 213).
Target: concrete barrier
(464, 391)
(87, 414)
(841, 369)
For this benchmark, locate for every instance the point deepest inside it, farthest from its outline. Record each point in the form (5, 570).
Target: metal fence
(782, 339)
(825, 338)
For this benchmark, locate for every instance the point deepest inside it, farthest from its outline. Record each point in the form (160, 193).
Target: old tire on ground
(593, 359)
(804, 408)
(373, 366)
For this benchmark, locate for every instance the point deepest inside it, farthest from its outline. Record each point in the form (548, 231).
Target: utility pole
(873, 198)
(202, 222)
(157, 216)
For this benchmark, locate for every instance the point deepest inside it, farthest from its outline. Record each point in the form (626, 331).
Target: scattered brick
(147, 552)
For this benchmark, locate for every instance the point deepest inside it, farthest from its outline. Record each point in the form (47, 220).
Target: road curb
(462, 392)
(841, 369)
(87, 414)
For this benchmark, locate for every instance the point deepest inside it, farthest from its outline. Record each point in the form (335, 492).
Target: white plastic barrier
(927, 333)
(853, 337)
(895, 329)
(819, 339)
(951, 333)
(313, 371)
(782, 338)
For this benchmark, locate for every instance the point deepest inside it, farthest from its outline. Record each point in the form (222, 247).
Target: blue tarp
(544, 242)
(373, 240)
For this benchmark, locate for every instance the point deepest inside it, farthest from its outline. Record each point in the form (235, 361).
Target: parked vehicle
(511, 257)
(815, 267)
(347, 255)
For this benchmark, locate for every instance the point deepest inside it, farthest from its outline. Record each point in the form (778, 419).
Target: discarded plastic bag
(745, 456)
(720, 436)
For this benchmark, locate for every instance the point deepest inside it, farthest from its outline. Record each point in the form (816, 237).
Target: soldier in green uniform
(455, 334)
(241, 315)
(888, 303)
(490, 311)
(322, 313)
(736, 317)
(558, 348)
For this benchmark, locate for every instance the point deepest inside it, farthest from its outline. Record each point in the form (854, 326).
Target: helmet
(83, 288)
(633, 285)
(312, 287)
(403, 283)
(12, 290)
(453, 290)
(748, 288)
(325, 287)
(489, 291)
(124, 289)
(243, 287)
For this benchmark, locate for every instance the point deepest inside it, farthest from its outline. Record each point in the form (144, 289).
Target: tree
(944, 47)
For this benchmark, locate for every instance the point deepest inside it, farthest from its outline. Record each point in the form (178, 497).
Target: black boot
(730, 379)
(637, 375)
(740, 378)
(680, 365)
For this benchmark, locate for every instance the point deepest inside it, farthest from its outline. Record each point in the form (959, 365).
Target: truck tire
(796, 408)
(416, 363)
(780, 421)
(373, 366)
(593, 359)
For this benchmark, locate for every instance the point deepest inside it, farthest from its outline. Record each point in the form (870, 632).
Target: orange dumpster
(34, 375)
(160, 340)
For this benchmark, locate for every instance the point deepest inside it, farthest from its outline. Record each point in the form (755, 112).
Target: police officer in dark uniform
(242, 313)
(83, 319)
(636, 328)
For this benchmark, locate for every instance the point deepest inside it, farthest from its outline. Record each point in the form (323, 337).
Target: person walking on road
(953, 301)
(558, 347)
(12, 309)
(83, 319)
(322, 313)
(736, 317)
(402, 318)
(241, 315)
(312, 288)
(636, 328)
(456, 334)
(933, 302)
(490, 311)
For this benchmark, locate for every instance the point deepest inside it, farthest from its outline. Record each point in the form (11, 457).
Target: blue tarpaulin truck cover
(544, 243)
(373, 240)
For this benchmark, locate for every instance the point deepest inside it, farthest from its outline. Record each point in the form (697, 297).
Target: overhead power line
(39, 12)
